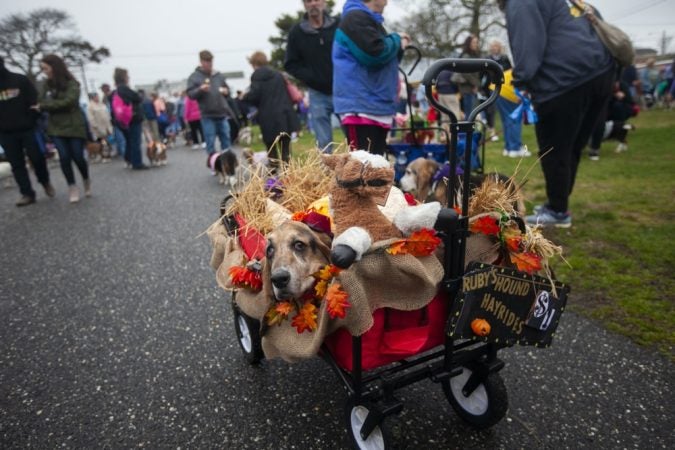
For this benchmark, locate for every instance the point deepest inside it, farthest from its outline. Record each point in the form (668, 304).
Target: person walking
(193, 118)
(66, 125)
(308, 59)
(132, 131)
(18, 117)
(468, 83)
(365, 74)
(209, 88)
(561, 63)
(276, 116)
(99, 122)
(120, 143)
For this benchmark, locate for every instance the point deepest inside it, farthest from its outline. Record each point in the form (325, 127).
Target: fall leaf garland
(243, 277)
(422, 242)
(506, 230)
(337, 303)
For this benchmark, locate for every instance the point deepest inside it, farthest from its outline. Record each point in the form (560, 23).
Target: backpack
(122, 111)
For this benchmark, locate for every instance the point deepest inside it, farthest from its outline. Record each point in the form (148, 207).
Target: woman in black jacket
(132, 131)
(276, 115)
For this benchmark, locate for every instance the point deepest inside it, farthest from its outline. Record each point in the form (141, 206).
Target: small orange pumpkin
(480, 327)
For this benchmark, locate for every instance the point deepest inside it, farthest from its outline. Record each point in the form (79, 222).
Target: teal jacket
(66, 119)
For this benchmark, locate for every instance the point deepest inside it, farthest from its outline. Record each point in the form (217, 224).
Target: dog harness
(212, 160)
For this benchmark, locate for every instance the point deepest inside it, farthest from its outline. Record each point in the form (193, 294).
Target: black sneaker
(141, 167)
(25, 201)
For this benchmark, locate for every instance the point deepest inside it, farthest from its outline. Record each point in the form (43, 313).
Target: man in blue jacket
(562, 64)
(308, 58)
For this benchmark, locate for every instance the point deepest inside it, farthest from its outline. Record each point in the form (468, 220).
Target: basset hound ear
(425, 173)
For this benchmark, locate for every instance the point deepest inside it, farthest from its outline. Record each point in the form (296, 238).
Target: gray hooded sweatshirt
(212, 104)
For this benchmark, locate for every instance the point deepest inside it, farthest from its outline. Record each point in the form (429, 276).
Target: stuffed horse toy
(362, 180)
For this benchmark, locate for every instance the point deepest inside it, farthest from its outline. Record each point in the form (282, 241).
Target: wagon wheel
(355, 417)
(248, 335)
(483, 407)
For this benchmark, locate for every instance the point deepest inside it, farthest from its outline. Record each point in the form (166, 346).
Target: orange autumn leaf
(328, 272)
(512, 239)
(305, 320)
(527, 262)
(245, 277)
(320, 288)
(487, 225)
(420, 243)
(299, 216)
(277, 313)
(337, 301)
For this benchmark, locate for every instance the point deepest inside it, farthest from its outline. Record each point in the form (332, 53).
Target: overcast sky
(157, 39)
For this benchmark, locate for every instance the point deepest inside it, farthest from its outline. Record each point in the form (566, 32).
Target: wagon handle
(463, 66)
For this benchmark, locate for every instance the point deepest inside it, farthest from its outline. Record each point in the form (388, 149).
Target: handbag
(615, 40)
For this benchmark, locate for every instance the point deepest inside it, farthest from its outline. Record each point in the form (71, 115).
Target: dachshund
(293, 254)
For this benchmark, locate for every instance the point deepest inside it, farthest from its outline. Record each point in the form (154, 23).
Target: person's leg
(468, 101)
(65, 159)
(193, 132)
(372, 138)
(134, 145)
(321, 110)
(209, 130)
(596, 141)
(285, 143)
(598, 93)
(511, 127)
(77, 152)
(12, 143)
(222, 127)
(37, 159)
(120, 142)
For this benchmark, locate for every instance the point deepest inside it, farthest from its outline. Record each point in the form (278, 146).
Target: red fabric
(395, 335)
(252, 242)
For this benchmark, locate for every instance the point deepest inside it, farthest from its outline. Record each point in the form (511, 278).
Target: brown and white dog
(226, 166)
(294, 253)
(156, 152)
(98, 151)
(420, 180)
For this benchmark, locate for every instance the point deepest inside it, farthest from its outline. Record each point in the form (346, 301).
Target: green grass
(621, 246)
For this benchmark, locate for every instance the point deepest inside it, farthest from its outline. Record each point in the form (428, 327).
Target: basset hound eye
(299, 246)
(269, 251)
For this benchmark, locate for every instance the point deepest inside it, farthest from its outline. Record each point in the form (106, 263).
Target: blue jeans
(71, 150)
(468, 103)
(132, 136)
(212, 126)
(321, 111)
(120, 141)
(512, 128)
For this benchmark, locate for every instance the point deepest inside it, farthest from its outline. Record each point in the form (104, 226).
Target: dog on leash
(156, 153)
(226, 165)
(98, 151)
(424, 179)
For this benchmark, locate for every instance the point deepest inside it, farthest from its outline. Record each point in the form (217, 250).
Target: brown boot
(25, 201)
(73, 194)
(87, 188)
(49, 189)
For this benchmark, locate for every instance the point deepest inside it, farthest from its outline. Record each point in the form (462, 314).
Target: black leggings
(283, 143)
(196, 131)
(372, 138)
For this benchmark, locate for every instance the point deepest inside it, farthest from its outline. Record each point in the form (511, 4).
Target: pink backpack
(121, 110)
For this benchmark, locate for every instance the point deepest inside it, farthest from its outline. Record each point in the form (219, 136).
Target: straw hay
(494, 194)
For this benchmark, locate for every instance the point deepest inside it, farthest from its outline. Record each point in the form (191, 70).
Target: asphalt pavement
(114, 334)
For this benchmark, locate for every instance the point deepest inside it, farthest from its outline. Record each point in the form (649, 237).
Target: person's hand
(406, 40)
(205, 87)
(224, 90)
(619, 95)
(35, 107)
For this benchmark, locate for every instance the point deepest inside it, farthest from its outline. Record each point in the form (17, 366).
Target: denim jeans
(512, 128)
(14, 143)
(132, 136)
(120, 142)
(212, 126)
(71, 149)
(468, 104)
(321, 111)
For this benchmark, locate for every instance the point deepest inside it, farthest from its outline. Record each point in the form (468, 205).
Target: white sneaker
(203, 144)
(621, 147)
(522, 153)
(73, 194)
(195, 147)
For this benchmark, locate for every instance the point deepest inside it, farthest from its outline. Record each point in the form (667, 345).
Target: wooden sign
(507, 307)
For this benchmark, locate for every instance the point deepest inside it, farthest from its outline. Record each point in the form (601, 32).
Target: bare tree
(25, 38)
(438, 25)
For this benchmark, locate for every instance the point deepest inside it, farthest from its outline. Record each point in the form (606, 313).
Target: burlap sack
(379, 280)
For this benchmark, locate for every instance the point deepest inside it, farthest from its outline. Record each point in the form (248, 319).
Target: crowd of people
(350, 70)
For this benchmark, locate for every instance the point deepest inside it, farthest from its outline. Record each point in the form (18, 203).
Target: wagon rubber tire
(248, 335)
(355, 416)
(485, 406)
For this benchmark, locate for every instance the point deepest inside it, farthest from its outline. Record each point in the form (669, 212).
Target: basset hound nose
(280, 278)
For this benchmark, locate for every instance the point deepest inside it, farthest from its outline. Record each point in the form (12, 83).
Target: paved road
(113, 334)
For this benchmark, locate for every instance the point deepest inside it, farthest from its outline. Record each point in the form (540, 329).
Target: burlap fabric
(379, 280)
